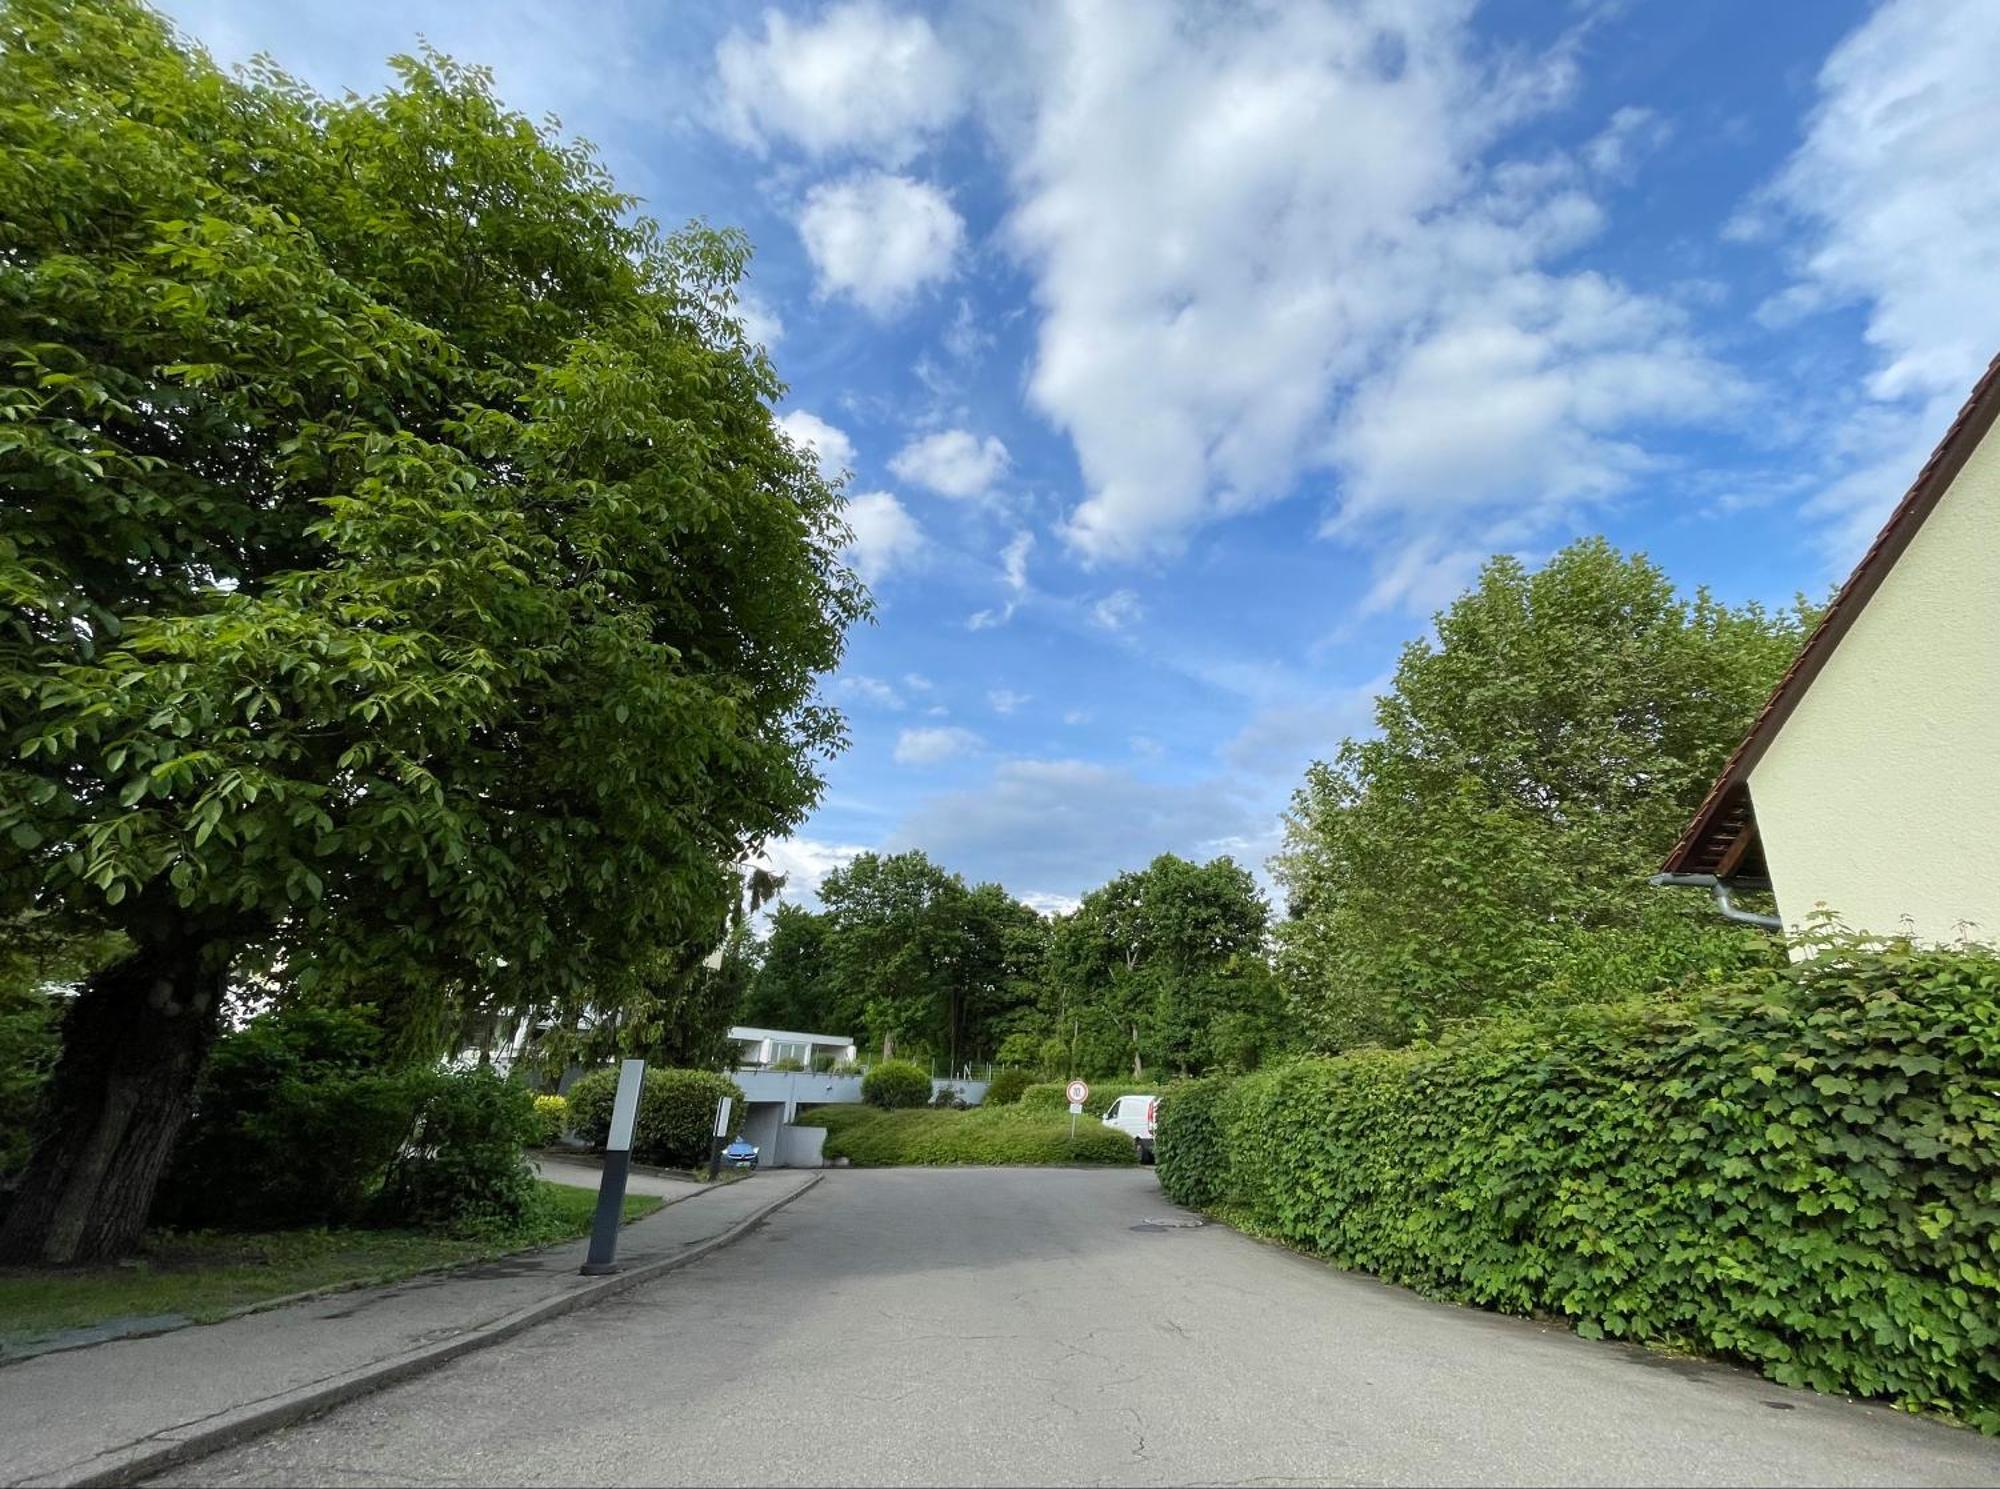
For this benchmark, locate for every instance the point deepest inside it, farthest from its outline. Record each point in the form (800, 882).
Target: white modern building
(760, 1047)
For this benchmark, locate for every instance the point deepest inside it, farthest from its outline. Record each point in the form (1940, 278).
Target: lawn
(870, 1138)
(203, 1276)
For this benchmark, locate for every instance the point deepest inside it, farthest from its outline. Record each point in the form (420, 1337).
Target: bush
(949, 1098)
(1049, 1096)
(295, 1123)
(824, 1064)
(1796, 1169)
(462, 1168)
(786, 1067)
(896, 1083)
(1006, 1087)
(552, 1120)
(676, 1113)
(869, 1137)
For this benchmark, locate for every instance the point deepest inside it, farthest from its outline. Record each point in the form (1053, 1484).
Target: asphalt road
(1068, 1326)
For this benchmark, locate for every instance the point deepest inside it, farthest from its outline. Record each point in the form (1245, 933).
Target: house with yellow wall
(1869, 786)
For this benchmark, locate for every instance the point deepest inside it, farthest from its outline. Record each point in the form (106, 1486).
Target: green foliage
(39, 962)
(1050, 1096)
(896, 1083)
(910, 955)
(870, 1138)
(1163, 966)
(296, 1122)
(1490, 847)
(551, 1120)
(1006, 1087)
(300, 1121)
(461, 1169)
(1796, 1168)
(404, 577)
(676, 1113)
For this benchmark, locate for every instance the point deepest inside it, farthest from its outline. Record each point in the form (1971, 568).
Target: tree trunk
(133, 1043)
(888, 1047)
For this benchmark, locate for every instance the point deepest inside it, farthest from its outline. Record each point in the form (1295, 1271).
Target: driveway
(1003, 1326)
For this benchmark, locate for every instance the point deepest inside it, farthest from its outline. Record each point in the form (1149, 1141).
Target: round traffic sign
(1078, 1091)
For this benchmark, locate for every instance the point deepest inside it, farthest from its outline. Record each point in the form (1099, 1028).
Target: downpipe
(1723, 901)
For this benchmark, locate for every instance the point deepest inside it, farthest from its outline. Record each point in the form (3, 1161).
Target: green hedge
(676, 1113)
(1049, 1096)
(896, 1083)
(871, 1138)
(1006, 1087)
(1800, 1170)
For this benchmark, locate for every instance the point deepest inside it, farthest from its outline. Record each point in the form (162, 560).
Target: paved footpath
(1064, 1326)
(114, 1409)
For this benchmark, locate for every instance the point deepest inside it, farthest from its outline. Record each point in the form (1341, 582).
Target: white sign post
(719, 1136)
(617, 1167)
(1078, 1093)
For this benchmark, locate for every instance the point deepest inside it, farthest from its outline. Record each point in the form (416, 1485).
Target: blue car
(740, 1154)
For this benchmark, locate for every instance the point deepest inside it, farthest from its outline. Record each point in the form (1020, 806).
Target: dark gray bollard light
(617, 1167)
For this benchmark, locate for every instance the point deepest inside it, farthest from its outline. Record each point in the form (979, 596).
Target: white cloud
(952, 462)
(878, 238)
(1118, 611)
(986, 620)
(886, 537)
(873, 690)
(1897, 194)
(934, 746)
(1238, 230)
(1014, 560)
(916, 682)
(1044, 903)
(805, 863)
(1147, 747)
(1060, 827)
(761, 322)
(863, 78)
(1006, 700)
(1280, 741)
(1077, 716)
(835, 451)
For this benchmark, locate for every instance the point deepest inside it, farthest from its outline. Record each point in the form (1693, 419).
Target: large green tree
(1165, 965)
(903, 952)
(1490, 846)
(405, 583)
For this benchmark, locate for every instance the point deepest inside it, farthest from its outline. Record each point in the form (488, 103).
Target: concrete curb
(193, 1440)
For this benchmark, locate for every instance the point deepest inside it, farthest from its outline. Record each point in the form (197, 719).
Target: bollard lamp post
(617, 1168)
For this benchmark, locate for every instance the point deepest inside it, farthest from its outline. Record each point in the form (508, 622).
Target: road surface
(1069, 1326)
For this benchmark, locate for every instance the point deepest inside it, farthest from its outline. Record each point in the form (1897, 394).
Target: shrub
(824, 1064)
(295, 1122)
(1796, 1169)
(1050, 1096)
(896, 1083)
(786, 1066)
(1006, 1087)
(462, 1168)
(552, 1119)
(676, 1113)
(870, 1137)
(949, 1097)
(847, 1067)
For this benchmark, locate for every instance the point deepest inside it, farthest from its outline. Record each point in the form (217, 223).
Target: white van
(1133, 1116)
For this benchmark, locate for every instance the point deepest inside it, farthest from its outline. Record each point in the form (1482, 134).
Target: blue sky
(1186, 358)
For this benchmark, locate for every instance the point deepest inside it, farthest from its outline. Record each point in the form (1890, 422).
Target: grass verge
(868, 1137)
(206, 1275)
